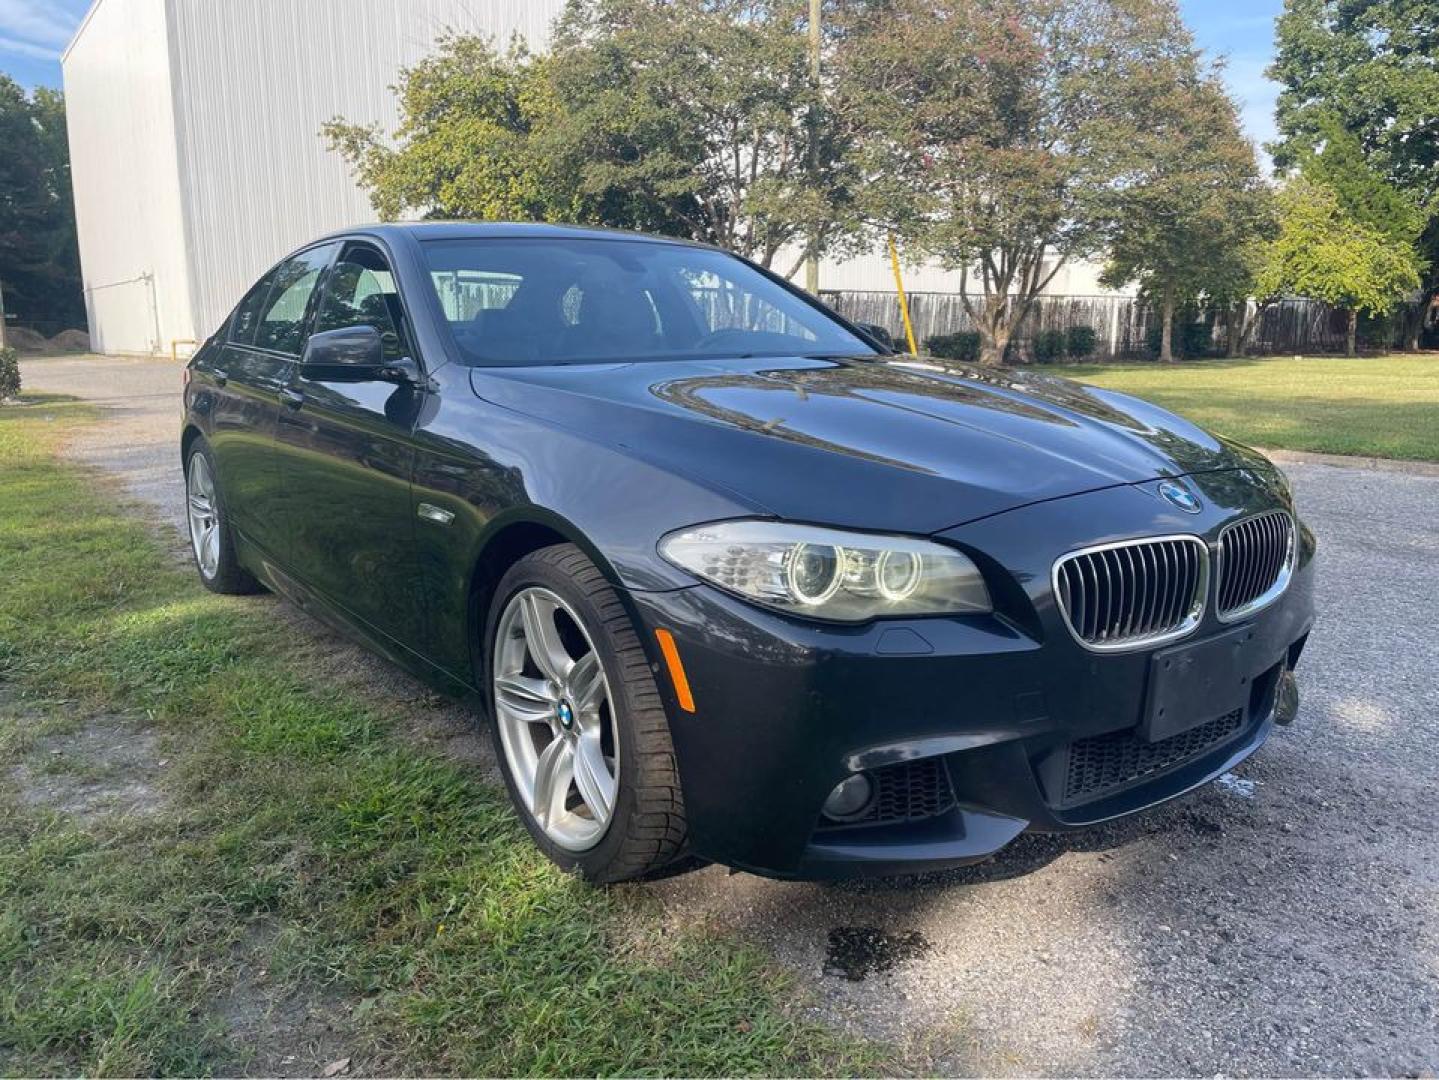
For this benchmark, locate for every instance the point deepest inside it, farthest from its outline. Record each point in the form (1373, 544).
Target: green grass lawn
(297, 854)
(1380, 407)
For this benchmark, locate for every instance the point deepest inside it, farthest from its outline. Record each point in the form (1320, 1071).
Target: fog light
(850, 798)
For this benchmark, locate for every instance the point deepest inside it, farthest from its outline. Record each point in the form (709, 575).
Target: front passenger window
(360, 291)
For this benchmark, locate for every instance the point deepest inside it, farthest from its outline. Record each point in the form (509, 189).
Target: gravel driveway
(1285, 922)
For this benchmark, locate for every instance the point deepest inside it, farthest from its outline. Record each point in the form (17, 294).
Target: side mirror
(879, 334)
(350, 353)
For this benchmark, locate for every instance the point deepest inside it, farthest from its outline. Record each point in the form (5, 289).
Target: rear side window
(360, 291)
(281, 323)
(247, 315)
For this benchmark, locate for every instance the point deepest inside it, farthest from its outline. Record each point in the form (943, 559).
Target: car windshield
(535, 301)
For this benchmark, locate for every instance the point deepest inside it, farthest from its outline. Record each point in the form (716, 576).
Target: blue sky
(33, 32)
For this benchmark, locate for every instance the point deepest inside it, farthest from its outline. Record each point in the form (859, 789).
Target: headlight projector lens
(897, 574)
(813, 572)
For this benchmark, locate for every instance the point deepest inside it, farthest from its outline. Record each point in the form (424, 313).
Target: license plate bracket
(1192, 684)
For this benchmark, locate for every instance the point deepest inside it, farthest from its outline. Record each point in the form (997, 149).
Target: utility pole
(811, 262)
(2, 314)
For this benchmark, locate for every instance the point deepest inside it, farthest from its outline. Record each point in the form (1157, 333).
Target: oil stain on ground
(856, 952)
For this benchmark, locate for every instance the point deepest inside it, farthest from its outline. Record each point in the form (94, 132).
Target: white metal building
(196, 152)
(195, 145)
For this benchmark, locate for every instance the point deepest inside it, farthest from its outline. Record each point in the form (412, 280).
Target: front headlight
(829, 574)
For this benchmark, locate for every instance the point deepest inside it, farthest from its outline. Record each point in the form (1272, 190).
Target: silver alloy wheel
(204, 515)
(556, 718)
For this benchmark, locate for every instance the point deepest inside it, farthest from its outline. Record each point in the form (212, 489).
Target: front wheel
(579, 730)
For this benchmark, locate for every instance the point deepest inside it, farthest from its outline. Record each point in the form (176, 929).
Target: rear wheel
(579, 730)
(210, 539)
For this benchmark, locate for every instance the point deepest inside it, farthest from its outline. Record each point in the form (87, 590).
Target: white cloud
(24, 48)
(36, 22)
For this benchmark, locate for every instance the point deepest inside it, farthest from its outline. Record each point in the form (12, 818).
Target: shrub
(962, 346)
(1080, 341)
(9, 374)
(1190, 339)
(1049, 346)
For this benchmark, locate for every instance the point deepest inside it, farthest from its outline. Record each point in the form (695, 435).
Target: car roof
(501, 230)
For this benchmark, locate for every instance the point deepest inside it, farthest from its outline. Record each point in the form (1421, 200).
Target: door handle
(292, 399)
(220, 375)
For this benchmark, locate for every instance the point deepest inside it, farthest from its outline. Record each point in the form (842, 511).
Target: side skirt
(277, 580)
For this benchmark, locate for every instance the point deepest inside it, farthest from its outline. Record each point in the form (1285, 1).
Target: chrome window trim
(1192, 618)
(1281, 583)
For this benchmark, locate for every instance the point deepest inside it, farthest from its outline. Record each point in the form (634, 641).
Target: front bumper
(1004, 722)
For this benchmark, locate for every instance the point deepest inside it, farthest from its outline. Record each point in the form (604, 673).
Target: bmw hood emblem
(1180, 497)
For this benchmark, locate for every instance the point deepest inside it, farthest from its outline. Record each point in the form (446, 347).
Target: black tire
(647, 832)
(229, 577)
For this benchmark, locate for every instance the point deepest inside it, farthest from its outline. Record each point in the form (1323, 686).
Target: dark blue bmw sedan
(725, 577)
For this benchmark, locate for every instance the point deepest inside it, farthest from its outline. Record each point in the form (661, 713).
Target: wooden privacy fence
(1121, 324)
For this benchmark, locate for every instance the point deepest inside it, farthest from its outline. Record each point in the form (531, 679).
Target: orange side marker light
(677, 669)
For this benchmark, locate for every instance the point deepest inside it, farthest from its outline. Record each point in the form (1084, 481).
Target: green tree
(466, 144)
(39, 257)
(706, 110)
(1323, 253)
(696, 118)
(1232, 284)
(1191, 202)
(994, 134)
(1372, 67)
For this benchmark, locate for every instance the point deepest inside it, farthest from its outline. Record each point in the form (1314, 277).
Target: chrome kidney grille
(1255, 561)
(1134, 593)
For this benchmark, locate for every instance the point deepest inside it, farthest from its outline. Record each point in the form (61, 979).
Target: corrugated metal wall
(255, 81)
(127, 190)
(194, 131)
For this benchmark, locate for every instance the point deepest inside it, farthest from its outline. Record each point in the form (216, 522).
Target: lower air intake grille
(909, 791)
(1102, 763)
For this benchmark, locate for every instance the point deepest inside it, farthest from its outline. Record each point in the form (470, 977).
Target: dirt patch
(107, 767)
(70, 341)
(279, 1031)
(24, 340)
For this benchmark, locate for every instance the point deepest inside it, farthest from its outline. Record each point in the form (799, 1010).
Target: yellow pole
(903, 303)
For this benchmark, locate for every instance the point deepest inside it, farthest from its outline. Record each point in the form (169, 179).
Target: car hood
(868, 442)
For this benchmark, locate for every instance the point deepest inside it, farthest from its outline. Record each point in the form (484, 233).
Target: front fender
(491, 469)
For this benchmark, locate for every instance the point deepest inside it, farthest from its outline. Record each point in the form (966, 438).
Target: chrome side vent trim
(1254, 562)
(1133, 594)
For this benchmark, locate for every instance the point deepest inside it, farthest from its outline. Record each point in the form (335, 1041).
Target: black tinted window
(360, 291)
(535, 301)
(281, 324)
(247, 315)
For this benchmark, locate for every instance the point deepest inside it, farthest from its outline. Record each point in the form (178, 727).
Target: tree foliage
(995, 134)
(1340, 165)
(1192, 203)
(1001, 137)
(39, 257)
(1324, 253)
(1371, 68)
(9, 374)
(693, 117)
(466, 144)
(708, 109)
